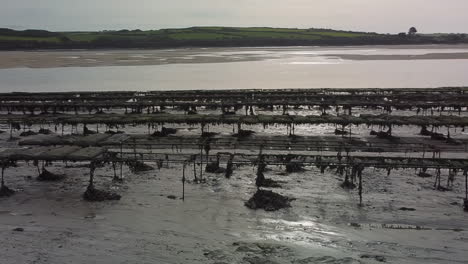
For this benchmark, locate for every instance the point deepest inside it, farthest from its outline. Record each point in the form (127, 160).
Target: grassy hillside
(208, 36)
(216, 33)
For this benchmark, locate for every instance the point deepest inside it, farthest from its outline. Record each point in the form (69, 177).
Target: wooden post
(11, 131)
(134, 148)
(3, 172)
(360, 189)
(183, 183)
(466, 185)
(437, 179)
(194, 168)
(92, 168)
(121, 160)
(201, 162)
(38, 169)
(115, 172)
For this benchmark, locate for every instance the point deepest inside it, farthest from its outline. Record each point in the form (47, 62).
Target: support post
(134, 148)
(3, 172)
(465, 201)
(201, 162)
(360, 189)
(115, 171)
(183, 183)
(38, 169)
(92, 168)
(121, 160)
(195, 168)
(466, 186)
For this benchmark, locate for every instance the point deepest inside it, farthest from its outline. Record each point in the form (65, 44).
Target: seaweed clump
(214, 167)
(423, 174)
(165, 132)
(28, 133)
(49, 176)
(45, 131)
(244, 133)
(294, 167)
(94, 195)
(138, 166)
(87, 131)
(6, 192)
(208, 134)
(261, 181)
(269, 183)
(341, 132)
(112, 132)
(268, 200)
(347, 184)
(435, 135)
(382, 134)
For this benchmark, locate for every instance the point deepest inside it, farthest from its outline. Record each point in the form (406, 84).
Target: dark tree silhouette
(412, 31)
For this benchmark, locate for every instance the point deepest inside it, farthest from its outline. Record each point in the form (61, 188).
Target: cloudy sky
(386, 16)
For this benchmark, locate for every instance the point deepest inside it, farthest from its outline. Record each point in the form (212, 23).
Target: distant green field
(215, 33)
(199, 36)
(45, 39)
(210, 36)
(195, 33)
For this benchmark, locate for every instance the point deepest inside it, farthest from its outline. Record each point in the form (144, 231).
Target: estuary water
(234, 68)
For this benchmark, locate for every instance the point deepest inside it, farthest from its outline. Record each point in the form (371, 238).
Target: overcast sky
(386, 16)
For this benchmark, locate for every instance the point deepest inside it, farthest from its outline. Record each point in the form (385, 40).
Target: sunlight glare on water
(238, 68)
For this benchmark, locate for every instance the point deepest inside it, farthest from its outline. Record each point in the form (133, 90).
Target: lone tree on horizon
(412, 31)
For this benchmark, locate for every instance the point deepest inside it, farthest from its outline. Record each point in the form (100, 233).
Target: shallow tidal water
(232, 68)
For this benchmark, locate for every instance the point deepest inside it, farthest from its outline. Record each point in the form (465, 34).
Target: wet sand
(99, 58)
(431, 56)
(324, 224)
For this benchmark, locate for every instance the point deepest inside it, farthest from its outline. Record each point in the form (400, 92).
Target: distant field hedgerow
(210, 37)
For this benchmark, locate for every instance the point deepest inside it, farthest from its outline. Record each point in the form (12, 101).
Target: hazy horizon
(429, 16)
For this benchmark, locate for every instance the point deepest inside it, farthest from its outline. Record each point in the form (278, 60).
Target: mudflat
(138, 57)
(429, 56)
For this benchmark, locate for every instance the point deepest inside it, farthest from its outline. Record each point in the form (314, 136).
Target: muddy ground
(323, 225)
(138, 57)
